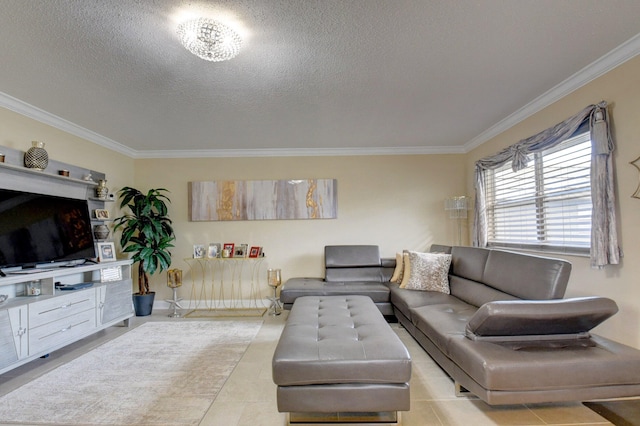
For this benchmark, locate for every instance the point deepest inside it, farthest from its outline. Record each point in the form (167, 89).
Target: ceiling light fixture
(209, 39)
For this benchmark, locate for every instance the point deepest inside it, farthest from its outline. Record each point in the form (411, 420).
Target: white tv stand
(33, 326)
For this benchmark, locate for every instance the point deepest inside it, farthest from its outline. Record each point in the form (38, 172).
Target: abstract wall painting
(232, 200)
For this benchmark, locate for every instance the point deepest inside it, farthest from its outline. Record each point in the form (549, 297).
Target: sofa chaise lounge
(504, 332)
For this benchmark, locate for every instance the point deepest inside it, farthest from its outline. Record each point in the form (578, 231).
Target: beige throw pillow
(407, 269)
(397, 273)
(427, 271)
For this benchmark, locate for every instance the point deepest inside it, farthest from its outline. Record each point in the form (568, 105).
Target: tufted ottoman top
(338, 339)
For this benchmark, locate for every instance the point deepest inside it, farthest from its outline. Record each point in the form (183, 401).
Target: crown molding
(599, 67)
(28, 110)
(286, 152)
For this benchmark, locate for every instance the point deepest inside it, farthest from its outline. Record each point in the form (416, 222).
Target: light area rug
(160, 373)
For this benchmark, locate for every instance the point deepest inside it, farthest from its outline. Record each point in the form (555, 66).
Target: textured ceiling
(314, 75)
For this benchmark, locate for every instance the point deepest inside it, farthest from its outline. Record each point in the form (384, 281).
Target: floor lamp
(457, 208)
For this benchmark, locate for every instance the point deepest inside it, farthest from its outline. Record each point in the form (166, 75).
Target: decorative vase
(101, 190)
(101, 232)
(36, 157)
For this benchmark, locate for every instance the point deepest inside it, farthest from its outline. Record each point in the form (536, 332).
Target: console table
(223, 284)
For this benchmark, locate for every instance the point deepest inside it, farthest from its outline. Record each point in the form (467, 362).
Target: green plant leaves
(147, 231)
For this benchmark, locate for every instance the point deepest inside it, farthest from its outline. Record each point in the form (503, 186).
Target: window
(545, 206)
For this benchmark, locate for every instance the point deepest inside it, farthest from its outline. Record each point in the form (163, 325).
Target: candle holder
(274, 280)
(174, 280)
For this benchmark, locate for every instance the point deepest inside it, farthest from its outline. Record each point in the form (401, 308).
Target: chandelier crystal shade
(209, 39)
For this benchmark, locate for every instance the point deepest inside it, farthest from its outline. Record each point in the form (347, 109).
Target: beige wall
(17, 132)
(396, 202)
(621, 89)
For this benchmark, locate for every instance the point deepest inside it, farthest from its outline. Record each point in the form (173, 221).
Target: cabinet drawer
(61, 331)
(60, 307)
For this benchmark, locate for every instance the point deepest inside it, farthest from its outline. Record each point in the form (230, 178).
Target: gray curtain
(604, 238)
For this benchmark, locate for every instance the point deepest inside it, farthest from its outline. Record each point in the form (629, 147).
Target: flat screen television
(39, 229)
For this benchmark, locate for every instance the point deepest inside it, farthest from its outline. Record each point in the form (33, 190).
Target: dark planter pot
(143, 303)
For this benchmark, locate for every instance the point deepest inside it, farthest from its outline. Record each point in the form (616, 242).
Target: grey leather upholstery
(337, 353)
(354, 256)
(349, 269)
(505, 333)
(352, 263)
(539, 319)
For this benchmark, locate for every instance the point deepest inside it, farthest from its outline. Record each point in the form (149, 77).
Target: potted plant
(147, 233)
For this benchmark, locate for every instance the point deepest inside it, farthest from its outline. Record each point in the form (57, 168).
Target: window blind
(545, 206)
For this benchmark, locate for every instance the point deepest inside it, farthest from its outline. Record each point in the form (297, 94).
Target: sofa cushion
(443, 321)
(469, 262)
(427, 271)
(475, 293)
(539, 319)
(583, 363)
(298, 287)
(527, 276)
(404, 300)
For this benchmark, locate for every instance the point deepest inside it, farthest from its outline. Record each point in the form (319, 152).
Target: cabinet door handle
(66, 328)
(64, 306)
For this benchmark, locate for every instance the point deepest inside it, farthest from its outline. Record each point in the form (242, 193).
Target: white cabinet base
(31, 327)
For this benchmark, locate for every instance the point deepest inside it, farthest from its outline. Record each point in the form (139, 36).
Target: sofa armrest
(539, 319)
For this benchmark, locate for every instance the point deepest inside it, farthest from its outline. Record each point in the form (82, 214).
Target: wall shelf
(26, 170)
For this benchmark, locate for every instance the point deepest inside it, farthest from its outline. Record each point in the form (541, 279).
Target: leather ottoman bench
(338, 360)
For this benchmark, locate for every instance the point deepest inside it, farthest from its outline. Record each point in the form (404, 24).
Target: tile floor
(249, 396)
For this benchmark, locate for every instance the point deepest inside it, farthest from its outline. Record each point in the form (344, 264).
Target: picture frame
(230, 247)
(214, 250)
(199, 251)
(110, 274)
(101, 214)
(241, 250)
(106, 252)
(254, 252)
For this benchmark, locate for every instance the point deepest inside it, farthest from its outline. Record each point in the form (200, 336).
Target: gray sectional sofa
(504, 333)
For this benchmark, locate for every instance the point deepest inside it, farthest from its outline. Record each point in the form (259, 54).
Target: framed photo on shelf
(214, 250)
(241, 250)
(255, 251)
(229, 247)
(101, 214)
(106, 252)
(198, 251)
(110, 274)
